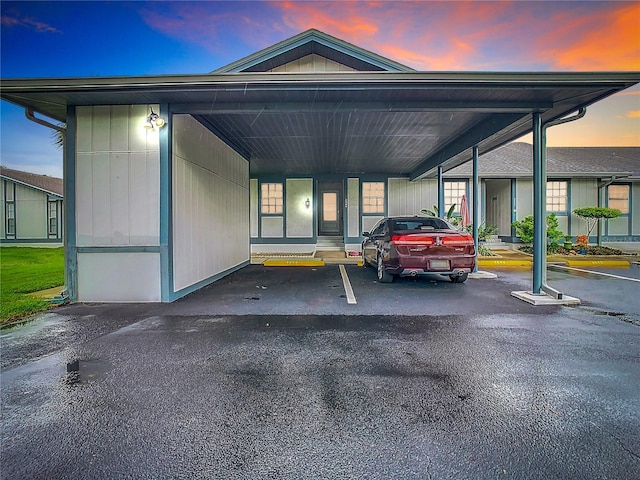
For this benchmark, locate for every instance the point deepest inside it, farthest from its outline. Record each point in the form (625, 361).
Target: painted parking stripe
(596, 273)
(351, 298)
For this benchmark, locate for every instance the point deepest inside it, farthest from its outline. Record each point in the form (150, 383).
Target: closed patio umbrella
(464, 211)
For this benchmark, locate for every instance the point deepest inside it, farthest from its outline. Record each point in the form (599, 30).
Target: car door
(370, 249)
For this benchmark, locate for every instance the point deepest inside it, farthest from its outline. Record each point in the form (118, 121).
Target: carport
(394, 122)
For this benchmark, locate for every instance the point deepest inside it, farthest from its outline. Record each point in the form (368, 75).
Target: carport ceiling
(392, 123)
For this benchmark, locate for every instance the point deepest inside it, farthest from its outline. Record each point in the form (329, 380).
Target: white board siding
(119, 276)
(353, 207)
(31, 213)
(312, 63)
(299, 216)
(210, 204)
(117, 178)
(253, 205)
(409, 198)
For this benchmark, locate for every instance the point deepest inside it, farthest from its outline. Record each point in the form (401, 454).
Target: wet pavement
(271, 374)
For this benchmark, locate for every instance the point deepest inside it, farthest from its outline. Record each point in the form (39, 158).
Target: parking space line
(595, 273)
(351, 298)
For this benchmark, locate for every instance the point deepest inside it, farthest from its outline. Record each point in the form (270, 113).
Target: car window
(379, 229)
(420, 224)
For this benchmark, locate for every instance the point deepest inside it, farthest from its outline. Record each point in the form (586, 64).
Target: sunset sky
(69, 39)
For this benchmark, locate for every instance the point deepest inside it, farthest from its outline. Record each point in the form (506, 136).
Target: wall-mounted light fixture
(154, 120)
(307, 203)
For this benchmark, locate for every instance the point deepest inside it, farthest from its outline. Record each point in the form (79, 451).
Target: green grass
(24, 270)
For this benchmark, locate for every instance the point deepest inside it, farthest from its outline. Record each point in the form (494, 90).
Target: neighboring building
(31, 208)
(301, 146)
(576, 177)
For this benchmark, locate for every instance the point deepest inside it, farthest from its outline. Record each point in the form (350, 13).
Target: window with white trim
(618, 197)
(52, 207)
(372, 197)
(453, 192)
(558, 196)
(271, 198)
(11, 219)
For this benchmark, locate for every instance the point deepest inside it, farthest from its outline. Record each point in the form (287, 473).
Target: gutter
(541, 237)
(30, 115)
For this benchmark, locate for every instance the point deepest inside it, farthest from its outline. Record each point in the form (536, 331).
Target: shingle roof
(516, 160)
(41, 182)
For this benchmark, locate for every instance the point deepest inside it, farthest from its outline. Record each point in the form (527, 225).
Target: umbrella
(464, 211)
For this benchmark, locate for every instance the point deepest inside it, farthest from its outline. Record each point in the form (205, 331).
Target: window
(558, 196)
(453, 192)
(271, 198)
(10, 209)
(52, 207)
(11, 218)
(618, 197)
(372, 197)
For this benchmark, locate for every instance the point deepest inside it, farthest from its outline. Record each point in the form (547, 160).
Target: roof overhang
(394, 123)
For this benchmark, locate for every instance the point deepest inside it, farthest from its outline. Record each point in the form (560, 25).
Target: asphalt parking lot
(271, 373)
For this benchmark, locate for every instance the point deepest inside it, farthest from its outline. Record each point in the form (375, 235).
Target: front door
(330, 208)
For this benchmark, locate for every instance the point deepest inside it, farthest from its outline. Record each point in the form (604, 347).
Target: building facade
(32, 208)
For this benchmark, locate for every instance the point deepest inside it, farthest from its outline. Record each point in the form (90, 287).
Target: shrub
(524, 229)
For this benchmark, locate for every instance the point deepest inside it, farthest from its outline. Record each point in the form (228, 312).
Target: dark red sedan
(410, 246)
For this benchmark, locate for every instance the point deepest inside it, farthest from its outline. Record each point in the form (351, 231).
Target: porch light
(154, 120)
(307, 202)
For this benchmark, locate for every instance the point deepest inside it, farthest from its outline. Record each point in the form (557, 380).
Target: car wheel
(383, 275)
(459, 278)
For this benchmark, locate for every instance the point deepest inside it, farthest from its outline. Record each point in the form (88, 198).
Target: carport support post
(441, 213)
(539, 207)
(475, 204)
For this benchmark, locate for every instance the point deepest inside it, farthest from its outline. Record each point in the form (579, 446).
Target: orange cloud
(344, 20)
(603, 40)
(633, 114)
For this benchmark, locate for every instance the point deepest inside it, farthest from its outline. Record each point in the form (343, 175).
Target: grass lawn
(25, 270)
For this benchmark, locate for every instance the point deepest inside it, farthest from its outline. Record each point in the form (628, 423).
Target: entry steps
(494, 243)
(330, 243)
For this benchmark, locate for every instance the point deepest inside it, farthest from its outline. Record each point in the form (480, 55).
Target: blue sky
(69, 39)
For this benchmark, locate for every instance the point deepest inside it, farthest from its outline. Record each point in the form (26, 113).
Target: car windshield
(419, 224)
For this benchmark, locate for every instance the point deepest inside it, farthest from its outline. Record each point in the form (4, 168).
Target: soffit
(394, 123)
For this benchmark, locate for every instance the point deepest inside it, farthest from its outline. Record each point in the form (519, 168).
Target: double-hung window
(10, 209)
(558, 197)
(618, 197)
(373, 197)
(52, 216)
(453, 192)
(271, 198)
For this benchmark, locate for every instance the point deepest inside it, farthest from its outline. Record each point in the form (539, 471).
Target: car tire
(383, 275)
(459, 278)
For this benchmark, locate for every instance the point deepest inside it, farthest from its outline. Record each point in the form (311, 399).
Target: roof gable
(309, 43)
(44, 183)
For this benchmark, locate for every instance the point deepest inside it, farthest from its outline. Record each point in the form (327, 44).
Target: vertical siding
(3, 223)
(635, 209)
(117, 203)
(312, 63)
(299, 217)
(584, 193)
(524, 198)
(409, 198)
(253, 205)
(353, 207)
(211, 224)
(31, 213)
(118, 177)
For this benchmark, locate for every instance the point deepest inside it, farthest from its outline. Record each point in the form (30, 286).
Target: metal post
(539, 206)
(441, 212)
(476, 203)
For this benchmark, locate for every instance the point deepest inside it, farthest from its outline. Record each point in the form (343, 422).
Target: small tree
(591, 215)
